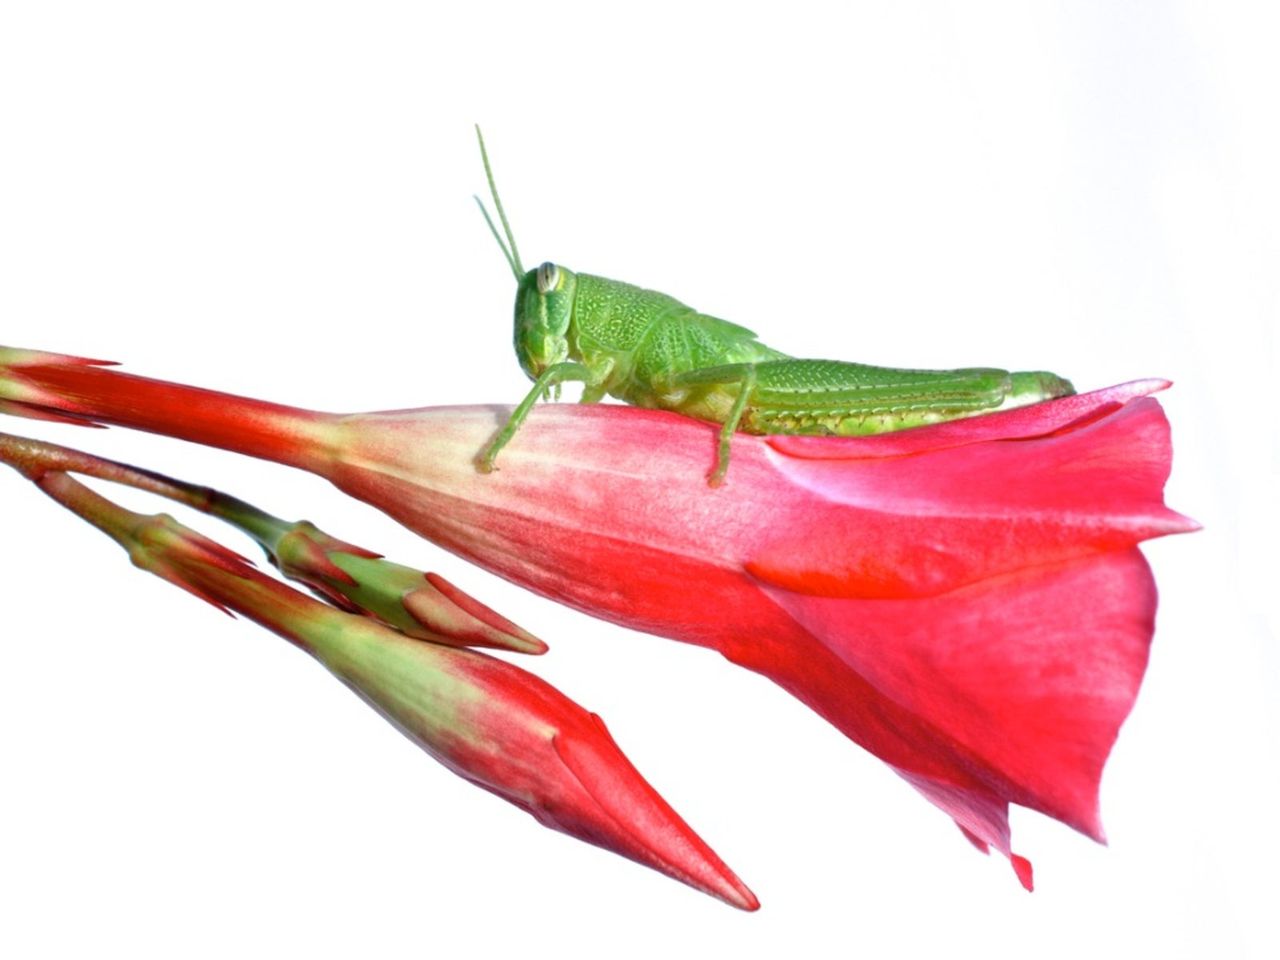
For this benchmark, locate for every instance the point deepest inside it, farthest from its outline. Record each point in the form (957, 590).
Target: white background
(275, 200)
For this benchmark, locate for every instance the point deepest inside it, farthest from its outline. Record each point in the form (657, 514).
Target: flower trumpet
(964, 600)
(487, 720)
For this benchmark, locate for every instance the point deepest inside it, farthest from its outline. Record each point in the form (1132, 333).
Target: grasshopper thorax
(544, 312)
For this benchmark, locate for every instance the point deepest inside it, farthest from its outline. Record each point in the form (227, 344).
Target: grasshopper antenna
(512, 254)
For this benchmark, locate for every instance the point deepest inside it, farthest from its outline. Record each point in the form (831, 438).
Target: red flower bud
(489, 721)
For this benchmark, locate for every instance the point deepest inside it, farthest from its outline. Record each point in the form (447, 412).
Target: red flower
(964, 600)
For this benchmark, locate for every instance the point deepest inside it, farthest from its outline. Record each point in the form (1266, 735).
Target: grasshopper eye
(548, 277)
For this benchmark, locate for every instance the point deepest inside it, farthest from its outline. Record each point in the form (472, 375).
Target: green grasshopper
(650, 350)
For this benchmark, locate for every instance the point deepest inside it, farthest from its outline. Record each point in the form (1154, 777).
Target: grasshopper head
(544, 310)
(544, 297)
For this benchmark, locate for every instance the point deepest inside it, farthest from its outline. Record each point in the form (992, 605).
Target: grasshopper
(650, 350)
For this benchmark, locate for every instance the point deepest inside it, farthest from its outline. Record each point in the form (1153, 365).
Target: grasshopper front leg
(553, 376)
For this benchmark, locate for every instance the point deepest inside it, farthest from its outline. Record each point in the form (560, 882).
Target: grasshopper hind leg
(826, 397)
(744, 376)
(746, 388)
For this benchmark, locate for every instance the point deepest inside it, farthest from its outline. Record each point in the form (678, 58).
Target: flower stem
(45, 384)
